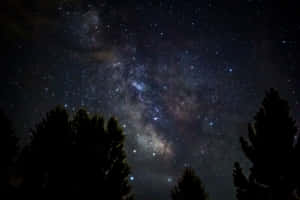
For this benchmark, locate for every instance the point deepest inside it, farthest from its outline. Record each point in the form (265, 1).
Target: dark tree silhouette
(47, 158)
(79, 157)
(100, 157)
(8, 151)
(89, 152)
(189, 187)
(270, 148)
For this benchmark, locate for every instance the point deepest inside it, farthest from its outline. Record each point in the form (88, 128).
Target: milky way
(184, 79)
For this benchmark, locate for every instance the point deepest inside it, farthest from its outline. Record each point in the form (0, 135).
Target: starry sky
(183, 77)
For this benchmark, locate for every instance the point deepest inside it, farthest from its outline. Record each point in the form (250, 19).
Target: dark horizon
(183, 77)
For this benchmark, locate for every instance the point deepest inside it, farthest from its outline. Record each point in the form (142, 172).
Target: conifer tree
(100, 157)
(189, 187)
(117, 175)
(270, 149)
(78, 157)
(46, 159)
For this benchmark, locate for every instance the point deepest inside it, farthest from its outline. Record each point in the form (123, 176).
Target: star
(155, 118)
(138, 85)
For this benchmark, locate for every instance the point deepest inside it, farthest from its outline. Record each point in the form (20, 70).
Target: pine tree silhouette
(89, 152)
(116, 178)
(8, 151)
(100, 159)
(47, 158)
(270, 148)
(78, 157)
(189, 187)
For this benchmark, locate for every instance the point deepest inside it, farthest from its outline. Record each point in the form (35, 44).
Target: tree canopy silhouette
(100, 158)
(47, 160)
(8, 151)
(270, 149)
(189, 187)
(77, 156)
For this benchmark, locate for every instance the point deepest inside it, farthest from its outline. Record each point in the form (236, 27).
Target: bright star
(139, 86)
(155, 118)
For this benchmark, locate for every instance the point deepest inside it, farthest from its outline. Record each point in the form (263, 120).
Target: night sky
(183, 77)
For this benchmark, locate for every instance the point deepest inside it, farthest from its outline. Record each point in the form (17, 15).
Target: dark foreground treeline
(83, 156)
(73, 156)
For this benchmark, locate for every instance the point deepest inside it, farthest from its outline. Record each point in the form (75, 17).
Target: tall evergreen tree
(8, 151)
(100, 160)
(270, 149)
(79, 157)
(189, 187)
(117, 174)
(47, 158)
(89, 152)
